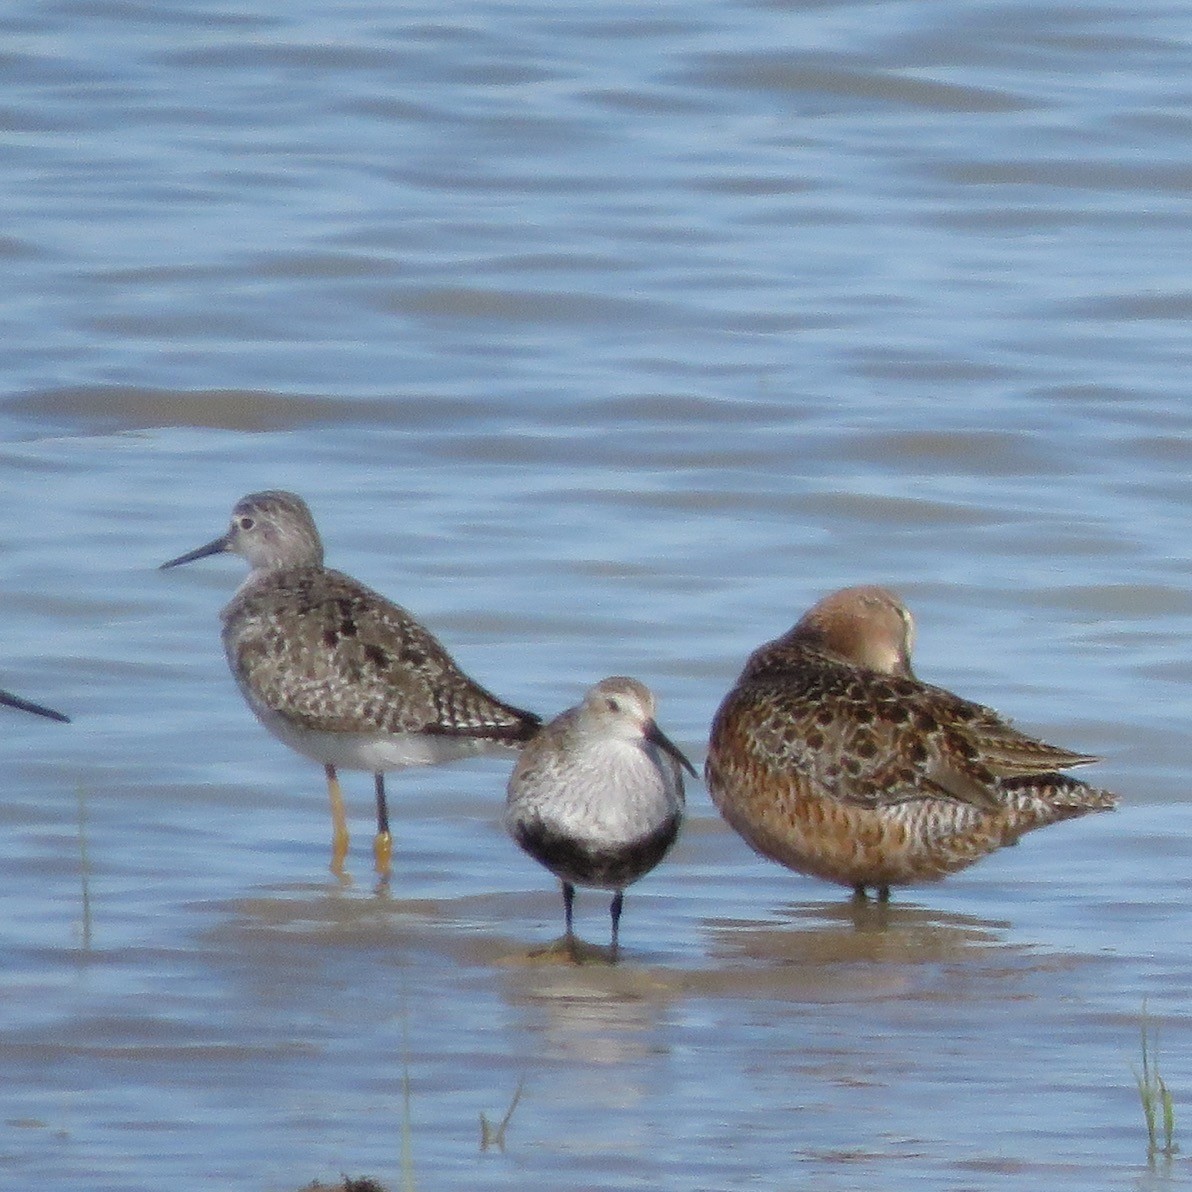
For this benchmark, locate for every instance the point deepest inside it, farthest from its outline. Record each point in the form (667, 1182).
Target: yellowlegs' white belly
(375, 752)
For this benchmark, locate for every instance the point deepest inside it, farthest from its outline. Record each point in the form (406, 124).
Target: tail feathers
(500, 723)
(1067, 796)
(525, 726)
(1010, 753)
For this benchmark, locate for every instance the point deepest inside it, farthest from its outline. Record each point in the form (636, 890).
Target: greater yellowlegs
(337, 672)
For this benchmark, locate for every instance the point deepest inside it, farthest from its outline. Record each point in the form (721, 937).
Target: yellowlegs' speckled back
(337, 672)
(597, 795)
(14, 701)
(830, 757)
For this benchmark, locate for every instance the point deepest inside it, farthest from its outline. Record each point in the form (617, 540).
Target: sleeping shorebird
(597, 795)
(337, 672)
(830, 757)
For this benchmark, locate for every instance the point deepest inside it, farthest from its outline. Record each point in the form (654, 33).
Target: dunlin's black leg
(568, 903)
(615, 911)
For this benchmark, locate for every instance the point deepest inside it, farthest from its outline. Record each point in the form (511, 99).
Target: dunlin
(597, 795)
(337, 672)
(832, 758)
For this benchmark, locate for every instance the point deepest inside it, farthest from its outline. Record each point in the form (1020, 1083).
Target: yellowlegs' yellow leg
(383, 844)
(339, 822)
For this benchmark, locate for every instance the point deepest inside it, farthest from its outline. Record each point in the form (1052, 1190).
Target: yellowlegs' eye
(612, 705)
(245, 522)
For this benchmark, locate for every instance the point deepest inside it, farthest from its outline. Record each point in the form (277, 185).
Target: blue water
(606, 339)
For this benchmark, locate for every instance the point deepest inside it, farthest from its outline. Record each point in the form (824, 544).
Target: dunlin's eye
(245, 522)
(612, 705)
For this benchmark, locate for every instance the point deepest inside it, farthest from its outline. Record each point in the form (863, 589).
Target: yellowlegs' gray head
(624, 709)
(271, 530)
(14, 701)
(868, 626)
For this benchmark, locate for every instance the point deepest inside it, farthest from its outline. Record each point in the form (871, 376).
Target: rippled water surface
(606, 338)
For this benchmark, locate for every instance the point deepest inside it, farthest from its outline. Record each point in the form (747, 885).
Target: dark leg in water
(383, 844)
(615, 911)
(568, 904)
